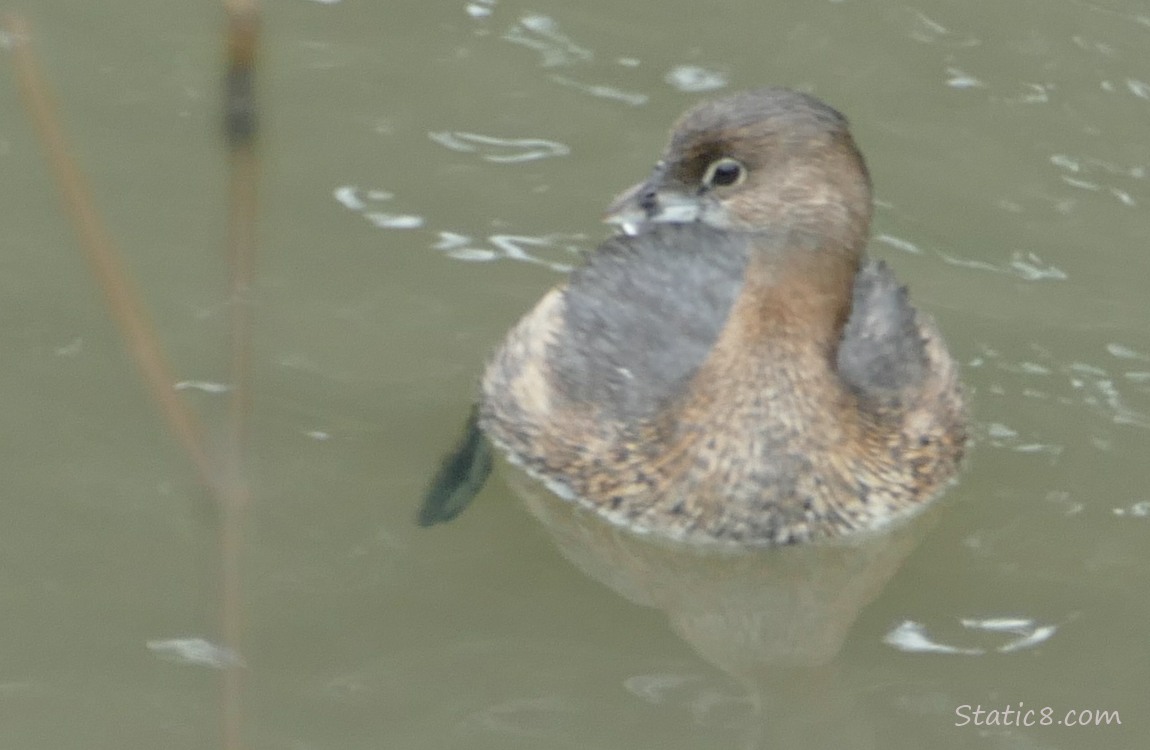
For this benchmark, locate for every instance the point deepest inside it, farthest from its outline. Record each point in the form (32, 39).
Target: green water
(430, 169)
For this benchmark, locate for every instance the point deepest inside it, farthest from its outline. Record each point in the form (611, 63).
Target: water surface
(430, 171)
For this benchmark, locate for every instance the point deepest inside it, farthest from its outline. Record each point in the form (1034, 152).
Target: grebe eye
(725, 172)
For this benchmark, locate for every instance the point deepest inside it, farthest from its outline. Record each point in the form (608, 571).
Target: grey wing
(642, 315)
(883, 351)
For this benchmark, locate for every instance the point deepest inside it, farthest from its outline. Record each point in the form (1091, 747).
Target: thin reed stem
(240, 129)
(123, 301)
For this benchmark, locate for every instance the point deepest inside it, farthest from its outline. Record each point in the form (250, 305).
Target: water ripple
(499, 150)
(1106, 393)
(556, 49)
(898, 243)
(1026, 265)
(603, 91)
(541, 33)
(926, 30)
(961, 80)
(1003, 635)
(360, 201)
(195, 651)
(693, 79)
(480, 8)
(511, 247)
(1092, 175)
(1139, 509)
(553, 251)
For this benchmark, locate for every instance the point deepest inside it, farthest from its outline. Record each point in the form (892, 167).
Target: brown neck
(774, 359)
(794, 299)
(779, 342)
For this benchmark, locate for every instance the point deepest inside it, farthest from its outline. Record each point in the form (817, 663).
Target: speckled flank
(748, 376)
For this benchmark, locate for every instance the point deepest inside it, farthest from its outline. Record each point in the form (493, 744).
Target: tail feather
(460, 477)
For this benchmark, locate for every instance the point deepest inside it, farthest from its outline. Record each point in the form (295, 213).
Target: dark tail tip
(460, 476)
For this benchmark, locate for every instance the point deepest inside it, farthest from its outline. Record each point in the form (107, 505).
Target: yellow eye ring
(724, 172)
